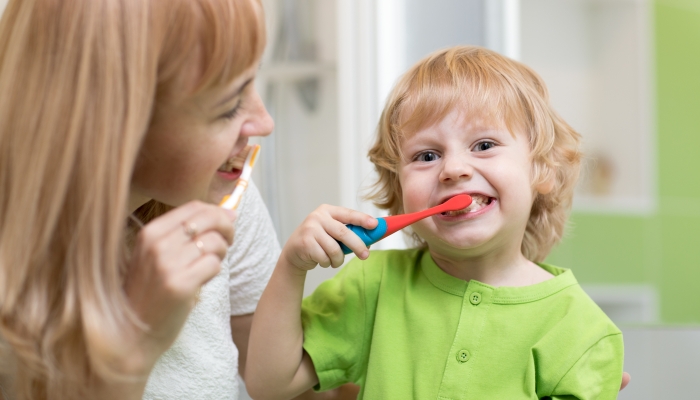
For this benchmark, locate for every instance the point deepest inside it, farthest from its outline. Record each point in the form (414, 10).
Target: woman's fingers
(209, 218)
(192, 219)
(200, 272)
(179, 237)
(185, 250)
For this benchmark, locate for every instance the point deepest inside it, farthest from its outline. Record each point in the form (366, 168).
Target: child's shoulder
(571, 318)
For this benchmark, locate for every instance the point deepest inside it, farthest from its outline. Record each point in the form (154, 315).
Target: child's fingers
(318, 254)
(354, 217)
(341, 233)
(332, 249)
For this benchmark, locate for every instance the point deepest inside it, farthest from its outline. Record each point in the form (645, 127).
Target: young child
(473, 313)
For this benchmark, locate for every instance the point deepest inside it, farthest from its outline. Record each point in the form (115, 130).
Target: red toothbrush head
(398, 222)
(459, 202)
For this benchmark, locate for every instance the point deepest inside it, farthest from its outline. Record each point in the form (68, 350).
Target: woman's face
(194, 149)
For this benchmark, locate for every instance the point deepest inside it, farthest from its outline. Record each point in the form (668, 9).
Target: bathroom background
(624, 73)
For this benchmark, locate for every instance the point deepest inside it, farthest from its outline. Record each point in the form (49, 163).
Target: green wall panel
(678, 92)
(662, 249)
(678, 100)
(679, 281)
(608, 249)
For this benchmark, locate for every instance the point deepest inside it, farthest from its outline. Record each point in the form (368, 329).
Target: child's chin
(456, 244)
(465, 242)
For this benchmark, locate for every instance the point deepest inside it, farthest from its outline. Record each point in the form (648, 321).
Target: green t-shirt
(402, 328)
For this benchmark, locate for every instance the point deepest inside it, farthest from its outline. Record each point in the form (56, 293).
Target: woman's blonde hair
(79, 82)
(483, 84)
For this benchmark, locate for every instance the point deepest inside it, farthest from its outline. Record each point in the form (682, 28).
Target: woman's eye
(427, 156)
(233, 112)
(483, 146)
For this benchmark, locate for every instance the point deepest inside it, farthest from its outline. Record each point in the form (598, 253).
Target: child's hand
(315, 241)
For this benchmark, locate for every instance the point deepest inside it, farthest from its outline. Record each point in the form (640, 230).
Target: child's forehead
(463, 120)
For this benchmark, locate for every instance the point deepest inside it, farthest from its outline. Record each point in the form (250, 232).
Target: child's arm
(596, 375)
(278, 366)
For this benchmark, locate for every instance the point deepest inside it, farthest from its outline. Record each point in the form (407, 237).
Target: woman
(116, 111)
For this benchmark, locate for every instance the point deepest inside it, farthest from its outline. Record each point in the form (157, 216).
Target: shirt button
(475, 298)
(462, 356)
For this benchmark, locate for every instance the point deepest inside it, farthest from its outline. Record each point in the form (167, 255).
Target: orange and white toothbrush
(231, 201)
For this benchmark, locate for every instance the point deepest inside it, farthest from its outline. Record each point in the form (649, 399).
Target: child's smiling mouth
(479, 202)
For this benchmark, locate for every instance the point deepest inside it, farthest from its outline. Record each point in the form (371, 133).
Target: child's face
(474, 157)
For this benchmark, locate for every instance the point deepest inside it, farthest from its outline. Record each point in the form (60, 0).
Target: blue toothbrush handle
(368, 236)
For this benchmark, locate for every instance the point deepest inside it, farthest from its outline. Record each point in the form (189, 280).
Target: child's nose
(455, 169)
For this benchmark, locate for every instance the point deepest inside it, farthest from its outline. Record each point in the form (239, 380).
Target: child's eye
(483, 146)
(426, 156)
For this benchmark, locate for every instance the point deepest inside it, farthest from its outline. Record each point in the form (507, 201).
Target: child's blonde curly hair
(486, 84)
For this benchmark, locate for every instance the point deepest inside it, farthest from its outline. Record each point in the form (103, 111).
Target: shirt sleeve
(596, 375)
(253, 255)
(334, 318)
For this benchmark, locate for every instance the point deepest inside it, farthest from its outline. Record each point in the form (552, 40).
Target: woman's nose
(260, 122)
(456, 168)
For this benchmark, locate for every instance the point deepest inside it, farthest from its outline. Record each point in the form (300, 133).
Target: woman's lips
(230, 175)
(236, 162)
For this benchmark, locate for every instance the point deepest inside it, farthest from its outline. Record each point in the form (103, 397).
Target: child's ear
(546, 186)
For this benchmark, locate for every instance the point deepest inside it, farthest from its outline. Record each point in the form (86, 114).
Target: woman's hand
(174, 255)
(315, 241)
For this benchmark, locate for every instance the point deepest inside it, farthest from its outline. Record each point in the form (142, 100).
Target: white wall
(595, 57)
(432, 25)
(663, 362)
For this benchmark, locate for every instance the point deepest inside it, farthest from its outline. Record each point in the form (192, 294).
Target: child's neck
(503, 268)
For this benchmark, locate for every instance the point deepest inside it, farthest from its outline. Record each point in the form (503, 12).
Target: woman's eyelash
(234, 111)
